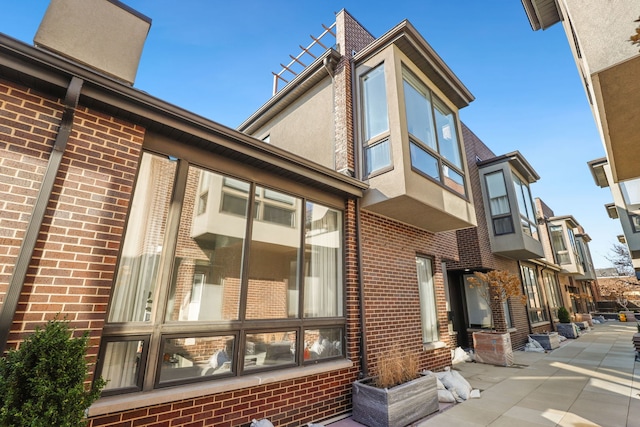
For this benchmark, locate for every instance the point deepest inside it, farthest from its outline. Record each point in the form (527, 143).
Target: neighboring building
(567, 253)
(598, 33)
(385, 110)
(223, 277)
(506, 238)
(624, 207)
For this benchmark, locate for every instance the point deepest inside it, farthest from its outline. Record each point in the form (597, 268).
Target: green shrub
(42, 383)
(563, 315)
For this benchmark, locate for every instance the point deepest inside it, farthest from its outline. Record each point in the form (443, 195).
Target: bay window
(434, 146)
(209, 280)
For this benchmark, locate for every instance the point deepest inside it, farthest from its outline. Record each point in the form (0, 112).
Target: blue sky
(215, 58)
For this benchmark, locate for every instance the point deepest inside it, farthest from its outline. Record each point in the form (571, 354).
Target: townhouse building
(569, 276)
(608, 64)
(506, 238)
(385, 110)
(225, 275)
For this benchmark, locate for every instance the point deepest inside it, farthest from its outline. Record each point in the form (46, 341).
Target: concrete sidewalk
(590, 381)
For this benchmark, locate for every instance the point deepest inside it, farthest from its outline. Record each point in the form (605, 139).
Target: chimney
(105, 35)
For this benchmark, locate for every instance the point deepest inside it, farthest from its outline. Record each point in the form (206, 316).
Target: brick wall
(28, 125)
(73, 263)
(392, 301)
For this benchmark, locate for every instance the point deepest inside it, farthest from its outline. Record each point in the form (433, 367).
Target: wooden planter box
(549, 341)
(567, 330)
(397, 406)
(493, 348)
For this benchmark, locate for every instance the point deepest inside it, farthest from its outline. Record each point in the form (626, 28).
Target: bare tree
(621, 260)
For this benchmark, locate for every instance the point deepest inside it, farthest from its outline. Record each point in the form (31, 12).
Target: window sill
(535, 325)
(433, 346)
(124, 402)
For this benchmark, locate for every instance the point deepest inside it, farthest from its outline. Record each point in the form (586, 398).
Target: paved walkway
(588, 382)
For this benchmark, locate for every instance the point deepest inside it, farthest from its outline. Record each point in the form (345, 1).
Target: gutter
(8, 309)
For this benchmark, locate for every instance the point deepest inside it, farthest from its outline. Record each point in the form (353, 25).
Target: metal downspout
(8, 308)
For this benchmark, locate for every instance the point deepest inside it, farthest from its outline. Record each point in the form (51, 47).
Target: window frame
(384, 137)
(158, 329)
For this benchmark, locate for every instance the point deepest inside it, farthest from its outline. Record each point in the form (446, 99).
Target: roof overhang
(517, 161)
(569, 219)
(416, 48)
(612, 211)
(542, 13)
(51, 74)
(598, 173)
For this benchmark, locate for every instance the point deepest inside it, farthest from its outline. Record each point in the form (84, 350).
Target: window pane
(273, 261)
(631, 191)
(424, 161)
(376, 120)
(419, 115)
(122, 364)
(635, 222)
(323, 265)
(453, 179)
(479, 310)
(377, 156)
(559, 245)
(205, 284)
(184, 358)
(503, 225)
(269, 349)
(322, 343)
(427, 293)
(497, 189)
(447, 134)
(135, 283)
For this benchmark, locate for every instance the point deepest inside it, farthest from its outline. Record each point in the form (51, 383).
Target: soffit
(617, 90)
(517, 161)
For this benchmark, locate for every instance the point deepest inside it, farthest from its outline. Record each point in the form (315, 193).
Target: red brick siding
(28, 124)
(73, 264)
(392, 301)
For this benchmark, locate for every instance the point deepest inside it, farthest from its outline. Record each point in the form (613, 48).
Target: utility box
(105, 35)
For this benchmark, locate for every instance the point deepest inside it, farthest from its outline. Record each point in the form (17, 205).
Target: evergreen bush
(563, 315)
(42, 383)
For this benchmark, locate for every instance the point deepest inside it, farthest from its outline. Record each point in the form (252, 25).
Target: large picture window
(435, 149)
(209, 278)
(553, 292)
(537, 313)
